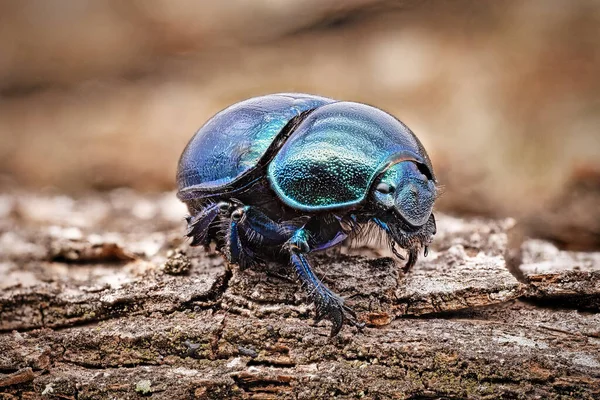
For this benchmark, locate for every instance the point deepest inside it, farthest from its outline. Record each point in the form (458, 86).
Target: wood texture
(101, 298)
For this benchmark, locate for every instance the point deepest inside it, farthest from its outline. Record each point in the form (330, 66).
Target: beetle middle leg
(249, 232)
(329, 305)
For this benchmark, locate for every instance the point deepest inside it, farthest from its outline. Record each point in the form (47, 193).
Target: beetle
(280, 176)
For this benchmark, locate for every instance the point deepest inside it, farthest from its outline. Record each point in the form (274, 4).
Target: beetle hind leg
(199, 225)
(328, 304)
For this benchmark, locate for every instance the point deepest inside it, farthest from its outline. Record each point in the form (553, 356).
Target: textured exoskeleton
(280, 176)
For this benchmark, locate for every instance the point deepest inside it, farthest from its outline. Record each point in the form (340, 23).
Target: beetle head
(408, 189)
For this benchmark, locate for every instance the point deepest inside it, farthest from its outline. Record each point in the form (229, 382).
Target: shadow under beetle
(280, 176)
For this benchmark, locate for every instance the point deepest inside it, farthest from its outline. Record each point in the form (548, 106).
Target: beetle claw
(339, 314)
(413, 254)
(396, 252)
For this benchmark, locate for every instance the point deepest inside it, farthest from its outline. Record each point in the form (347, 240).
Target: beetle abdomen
(335, 154)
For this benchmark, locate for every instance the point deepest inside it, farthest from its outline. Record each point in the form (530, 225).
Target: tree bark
(117, 306)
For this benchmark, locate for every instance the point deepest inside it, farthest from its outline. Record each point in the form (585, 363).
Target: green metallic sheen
(337, 152)
(232, 142)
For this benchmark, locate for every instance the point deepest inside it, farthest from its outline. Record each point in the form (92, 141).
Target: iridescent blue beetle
(280, 176)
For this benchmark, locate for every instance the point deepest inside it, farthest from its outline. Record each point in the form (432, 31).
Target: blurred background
(505, 95)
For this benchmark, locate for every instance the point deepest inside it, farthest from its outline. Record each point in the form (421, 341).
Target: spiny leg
(248, 229)
(199, 225)
(328, 304)
(421, 240)
(237, 248)
(260, 229)
(411, 241)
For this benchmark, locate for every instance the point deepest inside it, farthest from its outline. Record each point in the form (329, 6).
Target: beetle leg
(260, 229)
(248, 228)
(329, 305)
(411, 241)
(236, 247)
(199, 224)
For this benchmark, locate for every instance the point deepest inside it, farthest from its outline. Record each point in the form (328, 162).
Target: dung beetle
(280, 176)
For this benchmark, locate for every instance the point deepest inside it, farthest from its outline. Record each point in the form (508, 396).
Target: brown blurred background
(505, 95)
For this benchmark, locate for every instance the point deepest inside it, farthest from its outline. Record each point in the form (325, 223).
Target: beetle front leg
(411, 241)
(329, 305)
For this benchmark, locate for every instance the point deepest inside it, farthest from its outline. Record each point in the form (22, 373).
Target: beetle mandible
(280, 176)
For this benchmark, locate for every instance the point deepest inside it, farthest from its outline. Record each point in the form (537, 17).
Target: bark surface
(101, 298)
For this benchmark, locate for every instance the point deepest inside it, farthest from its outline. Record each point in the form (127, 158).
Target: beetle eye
(385, 188)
